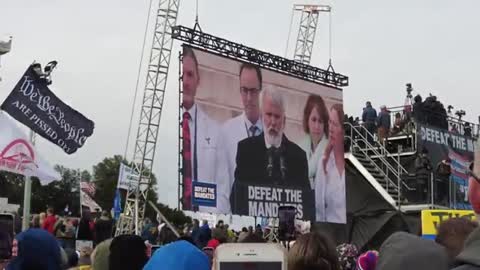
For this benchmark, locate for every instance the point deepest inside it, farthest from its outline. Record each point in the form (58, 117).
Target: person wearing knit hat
(368, 260)
(100, 255)
(407, 251)
(179, 255)
(347, 256)
(127, 252)
(35, 249)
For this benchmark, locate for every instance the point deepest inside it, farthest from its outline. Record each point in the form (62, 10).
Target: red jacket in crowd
(49, 223)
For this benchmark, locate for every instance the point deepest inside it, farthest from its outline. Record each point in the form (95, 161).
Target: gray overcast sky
(380, 45)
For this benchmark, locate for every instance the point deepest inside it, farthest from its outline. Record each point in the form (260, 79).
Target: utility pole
(27, 193)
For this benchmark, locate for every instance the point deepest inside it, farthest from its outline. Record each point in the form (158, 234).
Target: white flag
(127, 178)
(18, 155)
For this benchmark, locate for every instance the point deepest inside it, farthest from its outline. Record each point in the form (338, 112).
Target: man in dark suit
(271, 170)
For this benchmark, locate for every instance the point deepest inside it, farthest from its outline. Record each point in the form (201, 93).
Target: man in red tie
(199, 133)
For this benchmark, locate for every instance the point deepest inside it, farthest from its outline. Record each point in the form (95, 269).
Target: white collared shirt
(335, 202)
(232, 132)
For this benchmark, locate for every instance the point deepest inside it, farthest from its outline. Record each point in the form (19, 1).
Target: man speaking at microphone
(271, 171)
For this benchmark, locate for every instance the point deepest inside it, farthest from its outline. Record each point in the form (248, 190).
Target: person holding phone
(250, 256)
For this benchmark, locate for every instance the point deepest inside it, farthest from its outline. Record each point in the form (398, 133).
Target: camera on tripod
(409, 90)
(450, 108)
(45, 74)
(460, 113)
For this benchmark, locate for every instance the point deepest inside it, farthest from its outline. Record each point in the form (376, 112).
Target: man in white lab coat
(247, 124)
(199, 134)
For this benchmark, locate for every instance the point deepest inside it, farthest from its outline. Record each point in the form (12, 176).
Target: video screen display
(255, 139)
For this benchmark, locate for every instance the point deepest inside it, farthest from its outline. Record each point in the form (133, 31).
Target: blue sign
(204, 194)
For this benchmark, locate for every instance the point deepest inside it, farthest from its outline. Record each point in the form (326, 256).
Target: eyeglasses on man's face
(251, 91)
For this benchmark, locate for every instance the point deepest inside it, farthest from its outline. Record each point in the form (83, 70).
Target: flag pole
(27, 193)
(81, 201)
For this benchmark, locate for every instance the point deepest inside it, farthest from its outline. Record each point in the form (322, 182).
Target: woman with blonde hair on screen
(315, 126)
(330, 176)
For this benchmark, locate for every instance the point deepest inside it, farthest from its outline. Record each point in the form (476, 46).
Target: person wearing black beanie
(127, 252)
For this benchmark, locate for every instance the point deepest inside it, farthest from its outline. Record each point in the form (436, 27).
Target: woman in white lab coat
(330, 179)
(315, 125)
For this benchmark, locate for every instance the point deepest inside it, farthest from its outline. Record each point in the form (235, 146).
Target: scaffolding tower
(306, 32)
(150, 114)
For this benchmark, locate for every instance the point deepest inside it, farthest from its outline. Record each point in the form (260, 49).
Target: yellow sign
(432, 218)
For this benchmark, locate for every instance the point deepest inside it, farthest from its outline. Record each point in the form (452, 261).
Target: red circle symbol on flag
(18, 155)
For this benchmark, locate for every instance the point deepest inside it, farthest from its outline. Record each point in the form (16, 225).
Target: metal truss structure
(150, 114)
(307, 30)
(264, 59)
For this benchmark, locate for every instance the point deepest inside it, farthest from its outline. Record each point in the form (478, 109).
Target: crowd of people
(430, 112)
(457, 246)
(381, 124)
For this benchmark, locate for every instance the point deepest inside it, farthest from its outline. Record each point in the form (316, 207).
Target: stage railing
(391, 167)
(475, 128)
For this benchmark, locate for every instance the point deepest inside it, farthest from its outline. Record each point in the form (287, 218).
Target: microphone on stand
(283, 166)
(270, 161)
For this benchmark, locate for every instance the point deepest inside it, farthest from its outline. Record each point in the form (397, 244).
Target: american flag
(88, 187)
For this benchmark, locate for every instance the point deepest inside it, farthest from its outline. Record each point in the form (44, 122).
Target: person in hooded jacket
(35, 249)
(179, 255)
(407, 251)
